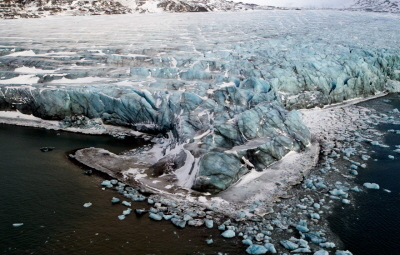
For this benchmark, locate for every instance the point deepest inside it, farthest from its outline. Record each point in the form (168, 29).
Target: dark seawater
(371, 226)
(46, 192)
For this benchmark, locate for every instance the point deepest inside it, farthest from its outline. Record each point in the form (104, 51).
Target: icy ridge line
(34, 9)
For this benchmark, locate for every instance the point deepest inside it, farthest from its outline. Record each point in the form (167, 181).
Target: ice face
(224, 84)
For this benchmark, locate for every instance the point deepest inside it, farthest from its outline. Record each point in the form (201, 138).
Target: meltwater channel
(46, 192)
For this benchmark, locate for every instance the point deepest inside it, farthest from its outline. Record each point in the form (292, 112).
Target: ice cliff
(223, 92)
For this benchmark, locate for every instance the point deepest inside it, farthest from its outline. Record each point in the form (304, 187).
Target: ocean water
(371, 225)
(46, 192)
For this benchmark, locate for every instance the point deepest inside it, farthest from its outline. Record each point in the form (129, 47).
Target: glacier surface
(222, 87)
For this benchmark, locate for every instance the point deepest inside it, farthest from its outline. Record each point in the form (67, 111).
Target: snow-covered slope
(356, 5)
(377, 5)
(32, 8)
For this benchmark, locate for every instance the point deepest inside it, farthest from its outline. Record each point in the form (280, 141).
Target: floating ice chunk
(353, 172)
(315, 216)
(18, 224)
(121, 217)
(167, 217)
(126, 203)
(221, 227)
(106, 183)
(302, 229)
(234, 228)
(321, 252)
(302, 250)
(150, 201)
(270, 247)
(247, 242)
(138, 197)
(178, 222)
(320, 185)
(303, 243)
(187, 217)
(256, 249)
(127, 211)
(390, 156)
(343, 253)
(303, 207)
(140, 211)
(353, 167)
(365, 157)
(114, 182)
(209, 241)
(338, 192)
(388, 191)
(327, 245)
(155, 216)
(314, 237)
(375, 143)
(356, 189)
(371, 185)
(346, 201)
(195, 222)
(289, 245)
(153, 210)
(87, 204)
(228, 234)
(115, 200)
(317, 206)
(209, 223)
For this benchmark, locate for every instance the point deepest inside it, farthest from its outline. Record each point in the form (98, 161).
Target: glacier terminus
(219, 94)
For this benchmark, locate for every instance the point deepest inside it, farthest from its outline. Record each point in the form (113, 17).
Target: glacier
(219, 91)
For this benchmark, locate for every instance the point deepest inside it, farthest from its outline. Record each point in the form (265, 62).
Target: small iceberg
(228, 234)
(127, 211)
(321, 252)
(155, 216)
(209, 223)
(371, 185)
(256, 249)
(87, 204)
(18, 224)
(289, 245)
(346, 201)
(115, 200)
(121, 217)
(126, 203)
